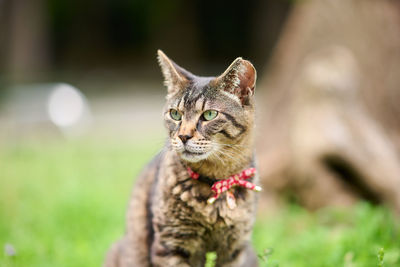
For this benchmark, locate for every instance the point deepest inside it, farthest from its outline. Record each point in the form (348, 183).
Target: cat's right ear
(175, 77)
(239, 79)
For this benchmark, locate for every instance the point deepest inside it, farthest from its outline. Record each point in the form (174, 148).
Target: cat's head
(208, 117)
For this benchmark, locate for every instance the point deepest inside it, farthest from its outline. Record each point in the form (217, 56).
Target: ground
(62, 203)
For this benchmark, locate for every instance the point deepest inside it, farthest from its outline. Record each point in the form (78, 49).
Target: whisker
(235, 157)
(218, 158)
(233, 145)
(240, 151)
(227, 155)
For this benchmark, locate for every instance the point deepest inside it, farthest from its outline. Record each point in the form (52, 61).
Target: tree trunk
(27, 44)
(330, 105)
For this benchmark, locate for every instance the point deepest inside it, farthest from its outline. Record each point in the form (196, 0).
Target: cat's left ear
(175, 77)
(239, 79)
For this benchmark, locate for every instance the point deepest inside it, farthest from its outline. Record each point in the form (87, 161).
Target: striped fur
(169, 222)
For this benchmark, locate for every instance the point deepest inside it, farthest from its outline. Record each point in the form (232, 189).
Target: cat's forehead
(196, 90)
(201, 93)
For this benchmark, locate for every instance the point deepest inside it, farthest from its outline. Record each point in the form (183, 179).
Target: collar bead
(224, 185)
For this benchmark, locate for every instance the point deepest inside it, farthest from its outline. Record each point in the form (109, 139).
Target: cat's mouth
(186, 152)
(194, 156)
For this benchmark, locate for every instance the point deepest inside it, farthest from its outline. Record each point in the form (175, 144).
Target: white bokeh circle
(66, 105)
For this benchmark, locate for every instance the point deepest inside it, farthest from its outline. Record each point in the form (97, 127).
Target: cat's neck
(234, 159)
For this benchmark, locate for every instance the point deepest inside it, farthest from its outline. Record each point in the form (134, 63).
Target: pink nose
(184, 138)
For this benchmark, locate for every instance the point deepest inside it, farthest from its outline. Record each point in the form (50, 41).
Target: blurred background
(107, 50)
(81, 96)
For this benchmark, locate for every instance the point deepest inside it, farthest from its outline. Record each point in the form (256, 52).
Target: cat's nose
(184, 138)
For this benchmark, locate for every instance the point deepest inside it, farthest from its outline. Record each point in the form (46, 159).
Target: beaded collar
(220, 186)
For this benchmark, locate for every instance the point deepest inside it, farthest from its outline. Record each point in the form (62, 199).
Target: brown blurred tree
(330, 112)
(25, 39)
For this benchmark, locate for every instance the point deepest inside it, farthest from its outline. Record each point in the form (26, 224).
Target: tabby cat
(182, 207)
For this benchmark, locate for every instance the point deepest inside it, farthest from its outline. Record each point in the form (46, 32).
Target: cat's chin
(193, 157)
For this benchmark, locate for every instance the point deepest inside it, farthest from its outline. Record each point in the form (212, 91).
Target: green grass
(63, 203)
(329, 237)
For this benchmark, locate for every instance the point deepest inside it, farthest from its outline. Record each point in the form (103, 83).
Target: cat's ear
(239, 79)
(175, 77)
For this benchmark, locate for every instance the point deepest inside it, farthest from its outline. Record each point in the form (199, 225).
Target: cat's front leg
(242, 256)
(167, 253)
(169, 261)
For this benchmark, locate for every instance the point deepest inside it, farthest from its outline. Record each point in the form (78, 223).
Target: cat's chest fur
(180, 198)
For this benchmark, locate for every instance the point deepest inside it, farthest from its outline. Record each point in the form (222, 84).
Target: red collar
(221, 186)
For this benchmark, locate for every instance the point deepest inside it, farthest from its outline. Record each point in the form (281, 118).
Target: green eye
(210, 114)
(176, 115)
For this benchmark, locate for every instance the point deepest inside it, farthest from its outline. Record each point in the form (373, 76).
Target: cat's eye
(176, 115)
(210, 114)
